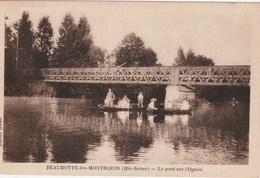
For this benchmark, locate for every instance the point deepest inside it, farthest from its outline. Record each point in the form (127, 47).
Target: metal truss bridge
(209, 76)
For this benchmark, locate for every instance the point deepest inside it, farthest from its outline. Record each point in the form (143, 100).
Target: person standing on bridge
(109, 101)
(140, 99)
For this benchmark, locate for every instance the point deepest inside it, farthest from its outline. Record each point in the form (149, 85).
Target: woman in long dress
(109, 101)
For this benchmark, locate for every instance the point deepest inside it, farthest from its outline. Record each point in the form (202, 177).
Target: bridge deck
(216, 75)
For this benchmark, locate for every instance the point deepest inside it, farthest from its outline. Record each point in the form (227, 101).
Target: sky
(221, 31)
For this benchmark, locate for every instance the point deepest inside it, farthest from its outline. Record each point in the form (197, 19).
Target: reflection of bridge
(215, 76)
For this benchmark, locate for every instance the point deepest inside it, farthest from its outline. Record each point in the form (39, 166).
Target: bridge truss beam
(209, 76)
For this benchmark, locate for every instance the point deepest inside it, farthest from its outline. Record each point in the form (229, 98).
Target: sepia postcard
(165, 89)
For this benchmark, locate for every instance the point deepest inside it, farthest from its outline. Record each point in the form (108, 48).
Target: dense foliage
(25, 39)
(133, 53)
(190, 59)
(75, 46)
(10, 58)
(18, 54)
(66, 54)
(43, 44)
(25, 48)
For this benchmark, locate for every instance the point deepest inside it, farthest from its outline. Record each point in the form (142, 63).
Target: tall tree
(10, 59)
(133, 52)
(190, 59)
(84, 44)
(43, 44)
(75, 44)
(64, 53)
(25, 38)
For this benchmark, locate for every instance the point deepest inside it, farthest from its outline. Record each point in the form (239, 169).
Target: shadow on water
(220, 126)
(54, 134)
(226, 116)
(72, 130)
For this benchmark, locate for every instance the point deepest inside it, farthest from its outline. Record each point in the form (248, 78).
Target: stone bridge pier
(176, 94)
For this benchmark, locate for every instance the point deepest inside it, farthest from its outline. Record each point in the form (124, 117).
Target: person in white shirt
(140, 99)
(151, 105)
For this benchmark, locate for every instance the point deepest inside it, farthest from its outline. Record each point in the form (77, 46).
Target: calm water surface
(38, 129)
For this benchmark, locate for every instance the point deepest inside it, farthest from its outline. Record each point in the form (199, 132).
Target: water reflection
(24, 133)
(129, 137)
(71, 130)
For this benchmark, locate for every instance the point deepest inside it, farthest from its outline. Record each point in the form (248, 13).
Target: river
(58, 130)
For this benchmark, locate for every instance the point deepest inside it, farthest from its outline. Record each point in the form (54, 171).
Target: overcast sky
(220, 31)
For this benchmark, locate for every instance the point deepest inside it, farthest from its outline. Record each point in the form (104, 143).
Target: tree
(10, 59)
(133, 52)
(64, 53)
(84, 44)
(204, 61)
(109, 59)
(149, 58)
(190, 59)
(75, 44)
(25, 38)
(96, 56)
(181, 58)
(43, 44)
(10, 48)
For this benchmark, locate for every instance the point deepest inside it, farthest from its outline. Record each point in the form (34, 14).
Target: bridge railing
(151, 75)
(215, 75)
(209, 75)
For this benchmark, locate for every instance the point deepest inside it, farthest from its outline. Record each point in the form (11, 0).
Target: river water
(55, 130)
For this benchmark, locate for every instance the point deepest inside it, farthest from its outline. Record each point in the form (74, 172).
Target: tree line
(75, 47)
(26, 48)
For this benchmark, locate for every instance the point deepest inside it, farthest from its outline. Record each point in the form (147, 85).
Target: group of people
(122, 102)
(125, 102)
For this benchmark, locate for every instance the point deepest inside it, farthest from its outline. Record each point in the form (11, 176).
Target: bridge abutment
(177, 94)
